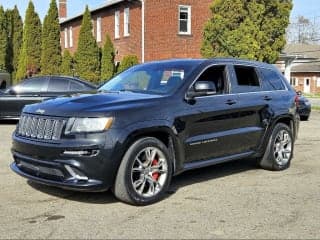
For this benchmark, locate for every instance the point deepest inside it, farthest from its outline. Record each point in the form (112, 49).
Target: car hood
(98, 104)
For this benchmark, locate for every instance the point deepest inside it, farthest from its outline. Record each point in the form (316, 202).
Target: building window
(117, 24)
(99, 29)
(70, 37)
(126, 19)
(65, 38)
(185, 20)
(294, 81)
(318, 82)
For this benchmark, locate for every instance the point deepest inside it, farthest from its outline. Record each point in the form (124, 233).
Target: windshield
(155, 78)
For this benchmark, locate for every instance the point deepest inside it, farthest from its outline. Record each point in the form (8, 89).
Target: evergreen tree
(3, 40)
(87, 56)
(50, 48)
(107, 61)
(29, 59)
(67, 64)
(127, 62)
(9, 29)
(247, 29)
(15, 39)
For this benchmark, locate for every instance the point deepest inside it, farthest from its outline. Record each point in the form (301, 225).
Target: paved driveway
(233, 200)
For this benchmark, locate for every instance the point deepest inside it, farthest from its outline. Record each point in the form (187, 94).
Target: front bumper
(47, 163)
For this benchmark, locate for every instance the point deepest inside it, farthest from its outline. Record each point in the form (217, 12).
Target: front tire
(279, 151)
(145, 172)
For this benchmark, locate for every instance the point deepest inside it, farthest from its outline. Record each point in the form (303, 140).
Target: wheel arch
(163, 133)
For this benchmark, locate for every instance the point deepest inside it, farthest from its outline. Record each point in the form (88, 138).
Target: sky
(307, 8)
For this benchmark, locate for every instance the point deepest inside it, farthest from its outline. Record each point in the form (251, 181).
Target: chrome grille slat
(40, 127)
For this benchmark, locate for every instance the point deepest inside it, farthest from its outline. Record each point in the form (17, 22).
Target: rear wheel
(145, 172)
(279, 151)
(304, 118)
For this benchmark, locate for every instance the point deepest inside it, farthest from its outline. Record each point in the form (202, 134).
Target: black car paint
(12, 102)
(304, 107)
(199, 132)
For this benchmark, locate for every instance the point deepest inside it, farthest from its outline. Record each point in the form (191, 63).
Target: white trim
(92, 24)
(66, 38)
(70, 37)
(117, 24)
(126, 22)
(99, 29)
(189, 17)
(318, 82)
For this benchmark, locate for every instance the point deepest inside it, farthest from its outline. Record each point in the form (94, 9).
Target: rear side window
(271, 80)
(58, 85)
(75, 86)
(247, 80)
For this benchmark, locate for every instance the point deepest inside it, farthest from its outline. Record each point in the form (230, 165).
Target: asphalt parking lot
(233, 200)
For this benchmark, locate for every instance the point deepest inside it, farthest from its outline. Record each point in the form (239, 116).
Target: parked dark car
(304, 107)
(37, 89)
(155, 121)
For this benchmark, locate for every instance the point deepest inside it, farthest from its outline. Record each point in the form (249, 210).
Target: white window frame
(188, 32)
(318, 82)
(70, 37)
(126, 22)
(294, 81)
(117, 24)
(66, 38)
(99, 29)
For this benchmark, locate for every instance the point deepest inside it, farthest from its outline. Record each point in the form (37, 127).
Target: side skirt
(205, 163)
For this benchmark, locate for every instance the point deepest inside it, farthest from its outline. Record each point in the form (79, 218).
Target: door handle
(231, 102)
(267, 98)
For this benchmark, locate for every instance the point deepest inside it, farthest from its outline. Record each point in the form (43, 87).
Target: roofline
(63, 76)
(108, 4)
(295, 71)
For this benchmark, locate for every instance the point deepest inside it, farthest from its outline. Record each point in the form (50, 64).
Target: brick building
(304, 66)
(149, 29)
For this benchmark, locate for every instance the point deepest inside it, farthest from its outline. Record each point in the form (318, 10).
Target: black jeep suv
(157, 120)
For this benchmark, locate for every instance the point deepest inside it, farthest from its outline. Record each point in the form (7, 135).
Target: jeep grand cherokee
(155, 121)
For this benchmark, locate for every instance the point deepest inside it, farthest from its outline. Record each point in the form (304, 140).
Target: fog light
(90, 153)
(76, 174)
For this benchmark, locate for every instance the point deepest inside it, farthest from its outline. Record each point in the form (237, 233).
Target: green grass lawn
(317, 108)
(312, 95)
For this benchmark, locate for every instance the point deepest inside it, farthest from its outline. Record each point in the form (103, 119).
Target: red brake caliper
(155, 175)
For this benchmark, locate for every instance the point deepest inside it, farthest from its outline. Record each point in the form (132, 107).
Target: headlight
(86, 125)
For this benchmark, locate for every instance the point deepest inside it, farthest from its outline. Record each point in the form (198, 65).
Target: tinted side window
(247, 79)
(58, 85)
(32, 85)
(75, 86)
(271, 80)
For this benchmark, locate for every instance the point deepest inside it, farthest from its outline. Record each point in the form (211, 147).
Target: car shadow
(185, 179)
(210, 173)
(85, 197)
(11, 122)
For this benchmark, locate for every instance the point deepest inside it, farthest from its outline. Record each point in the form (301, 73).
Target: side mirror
(202, 88)
(10, 91)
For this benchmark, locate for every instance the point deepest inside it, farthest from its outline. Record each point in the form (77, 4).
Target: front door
(306, 87)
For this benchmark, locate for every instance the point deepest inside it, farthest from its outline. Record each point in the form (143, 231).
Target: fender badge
(41, 111)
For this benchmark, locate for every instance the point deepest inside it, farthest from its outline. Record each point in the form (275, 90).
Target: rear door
(254, 111)
(28, 92)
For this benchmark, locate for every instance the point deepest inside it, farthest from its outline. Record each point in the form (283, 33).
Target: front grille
(40, 127)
